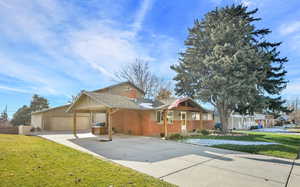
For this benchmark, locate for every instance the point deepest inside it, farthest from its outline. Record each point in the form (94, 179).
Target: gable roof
(119, 84)
(174, 103)
(49, 109)
(113, 101)
(123, 102)
(110, 101)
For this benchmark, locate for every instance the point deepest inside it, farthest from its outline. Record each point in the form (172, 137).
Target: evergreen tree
(229, 63)
(38, 103)
(22, 116)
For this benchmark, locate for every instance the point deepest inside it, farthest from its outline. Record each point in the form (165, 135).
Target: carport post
(165, 113)
(109, 124)
(74, 124)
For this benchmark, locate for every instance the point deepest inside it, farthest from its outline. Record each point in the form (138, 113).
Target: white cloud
(70, 50)
(247, 2)
(140, 15)
(293, 88)
(19, 90)
(289, 28)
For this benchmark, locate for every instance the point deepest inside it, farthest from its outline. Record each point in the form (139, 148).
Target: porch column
(91, 119)
(74, 124)
(165, 113)
(201, 120)
(108, 119)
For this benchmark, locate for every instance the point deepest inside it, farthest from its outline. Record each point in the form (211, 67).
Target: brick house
(126, 111)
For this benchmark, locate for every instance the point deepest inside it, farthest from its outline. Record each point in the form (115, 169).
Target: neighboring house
(238, 121)
(7, 128)
(124, 110)
(244, 122)
(5, 123)
(266, 121)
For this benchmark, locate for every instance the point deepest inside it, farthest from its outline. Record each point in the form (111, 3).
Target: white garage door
(66, 123)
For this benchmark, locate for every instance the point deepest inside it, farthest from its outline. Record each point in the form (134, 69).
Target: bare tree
(294, 105)
(74, 97)
(140, 75)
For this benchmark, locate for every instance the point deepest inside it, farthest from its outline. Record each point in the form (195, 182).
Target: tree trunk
(224, 115)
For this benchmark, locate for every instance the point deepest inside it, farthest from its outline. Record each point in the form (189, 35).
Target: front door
(183, 122)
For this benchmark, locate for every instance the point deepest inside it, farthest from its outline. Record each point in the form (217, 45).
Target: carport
(86, 104)
(91, 102)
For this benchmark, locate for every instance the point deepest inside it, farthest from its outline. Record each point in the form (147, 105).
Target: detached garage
(56, 119)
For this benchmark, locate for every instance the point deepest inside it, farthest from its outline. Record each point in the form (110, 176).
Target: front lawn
(33, 161)
(288, 147)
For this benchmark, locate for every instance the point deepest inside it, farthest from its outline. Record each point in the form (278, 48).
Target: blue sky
(56, 48)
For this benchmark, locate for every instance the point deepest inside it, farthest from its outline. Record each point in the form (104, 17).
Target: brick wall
(208, 124)
(141, 123)
(130, 93)
(127, 121)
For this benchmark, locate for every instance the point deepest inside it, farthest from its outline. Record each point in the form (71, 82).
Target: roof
(49, 109)
(117, 101)
(174, 103)
(114, 101)
(119, 84)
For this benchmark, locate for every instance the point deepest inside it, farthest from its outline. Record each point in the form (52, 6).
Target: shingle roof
(115, 85)
(114, 101)
(49, 109)
(117, 101)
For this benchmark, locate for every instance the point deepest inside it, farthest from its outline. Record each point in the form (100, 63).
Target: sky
(55, 48)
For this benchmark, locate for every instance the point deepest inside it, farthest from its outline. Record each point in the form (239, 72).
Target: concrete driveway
(186, 164)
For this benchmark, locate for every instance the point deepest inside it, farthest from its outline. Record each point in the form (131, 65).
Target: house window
(170, 117)
(195, 116)
(159, 116)
(205, 116)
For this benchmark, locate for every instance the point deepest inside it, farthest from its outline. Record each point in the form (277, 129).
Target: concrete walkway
(186, 164)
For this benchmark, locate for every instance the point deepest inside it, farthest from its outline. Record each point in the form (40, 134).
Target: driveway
(186, 164)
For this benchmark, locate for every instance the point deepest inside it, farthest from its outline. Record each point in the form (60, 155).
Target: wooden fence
(9, 130)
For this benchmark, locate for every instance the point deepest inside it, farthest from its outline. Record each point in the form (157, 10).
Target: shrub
(204, 132)
(162, 134)
(35, 129)
(175, 137)
(254, 127)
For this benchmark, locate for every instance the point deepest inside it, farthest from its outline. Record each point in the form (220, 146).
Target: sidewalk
(294, 180)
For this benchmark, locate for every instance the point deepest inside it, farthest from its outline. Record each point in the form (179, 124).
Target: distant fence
(9, 130)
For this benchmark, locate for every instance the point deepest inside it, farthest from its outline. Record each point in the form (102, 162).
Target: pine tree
(229, 63)
(22, 116)
(38, 103)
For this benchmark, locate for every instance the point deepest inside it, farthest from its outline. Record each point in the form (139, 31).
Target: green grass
(288, 147)
(32, 161)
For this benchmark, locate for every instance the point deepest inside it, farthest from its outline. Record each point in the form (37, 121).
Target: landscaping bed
(33, 161)
(287, 145)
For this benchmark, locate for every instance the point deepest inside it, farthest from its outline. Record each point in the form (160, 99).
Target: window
(195, 116)
(205, 116)
(159, 116)
(170, 117)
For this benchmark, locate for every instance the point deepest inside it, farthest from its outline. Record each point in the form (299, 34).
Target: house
(238, 121)
(124, 109)
(244, 122)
